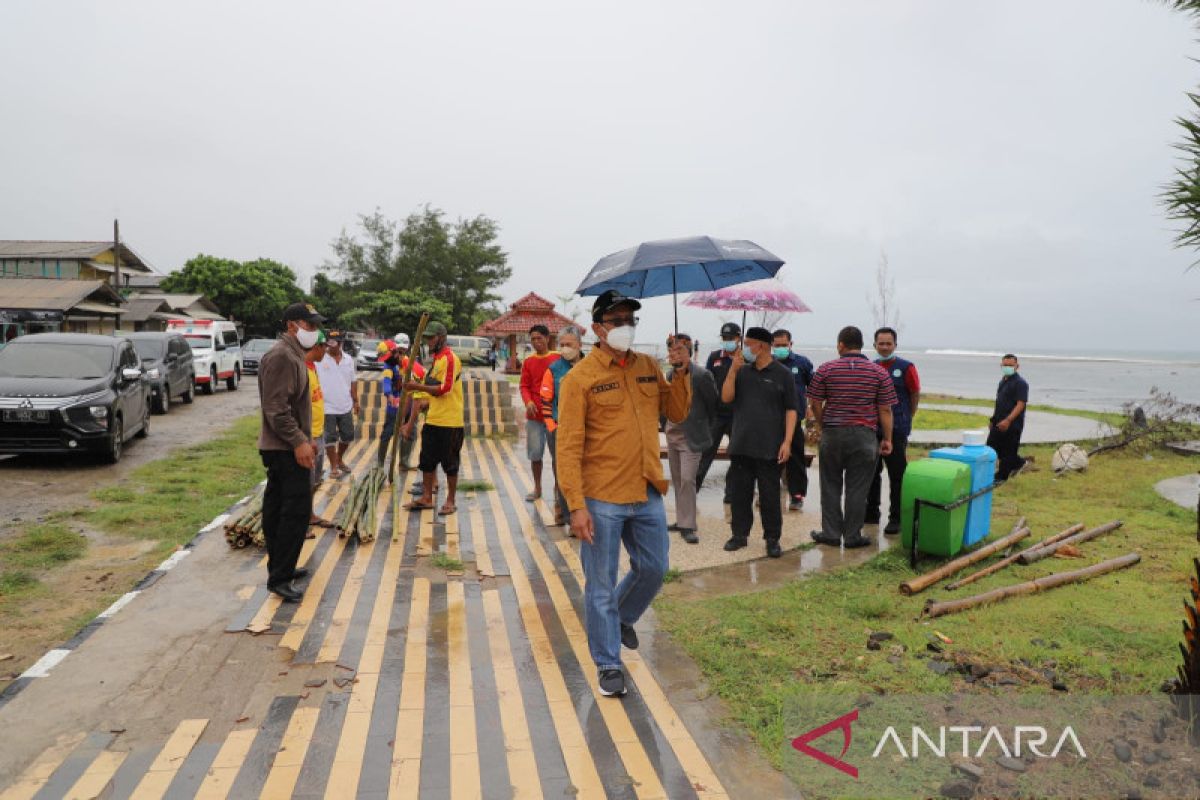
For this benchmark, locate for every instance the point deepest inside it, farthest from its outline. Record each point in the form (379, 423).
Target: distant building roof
(48, 294)
(141, 309)
(193, 305)
(22, 249)
(530, 310)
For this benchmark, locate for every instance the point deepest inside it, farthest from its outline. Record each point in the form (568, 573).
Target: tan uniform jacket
(608, 412)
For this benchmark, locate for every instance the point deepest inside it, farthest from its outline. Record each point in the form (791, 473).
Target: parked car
(169, 365)
(252, 351)
(217, 351)
(473, 350)
(367, 357)
(72, 392)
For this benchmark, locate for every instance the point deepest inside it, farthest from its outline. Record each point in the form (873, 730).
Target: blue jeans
(607, 604)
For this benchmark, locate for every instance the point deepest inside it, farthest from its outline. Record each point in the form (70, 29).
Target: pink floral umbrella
(764, 295)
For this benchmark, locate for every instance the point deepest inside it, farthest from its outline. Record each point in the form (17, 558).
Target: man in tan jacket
(285, 446)
(612, 478)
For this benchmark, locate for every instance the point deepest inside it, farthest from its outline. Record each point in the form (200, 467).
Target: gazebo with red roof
(530, 310)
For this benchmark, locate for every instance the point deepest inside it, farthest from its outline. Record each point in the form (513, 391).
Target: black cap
(302, 312)
(609, 300)
(759, 334)
(730, 329)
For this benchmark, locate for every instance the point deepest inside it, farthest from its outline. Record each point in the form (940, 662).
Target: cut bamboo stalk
(999, 565)
(928, 579)
(1045, 552)
(936, 609)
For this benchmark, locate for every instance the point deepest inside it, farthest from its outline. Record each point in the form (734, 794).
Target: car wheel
(231, 383)
(115, 441)
(164, 399)
(190, 394)
(211, 386)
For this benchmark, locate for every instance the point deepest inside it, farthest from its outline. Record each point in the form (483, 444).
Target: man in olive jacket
(284, 444)
(687, 442)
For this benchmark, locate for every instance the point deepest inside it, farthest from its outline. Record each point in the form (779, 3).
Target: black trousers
(721, 427)
(286, 509)
(744, 474)
(1006, 444)
(797, 470)
(896, 463)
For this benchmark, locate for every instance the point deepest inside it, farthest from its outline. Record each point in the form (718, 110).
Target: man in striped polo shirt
(852, 399)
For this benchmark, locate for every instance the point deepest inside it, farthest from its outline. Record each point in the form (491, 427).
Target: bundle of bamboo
(246, 528)
(360, 515)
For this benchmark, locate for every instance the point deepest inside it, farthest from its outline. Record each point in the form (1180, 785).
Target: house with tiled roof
(514, 324)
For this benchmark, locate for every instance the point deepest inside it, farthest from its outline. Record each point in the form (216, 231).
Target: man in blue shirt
(907, 384)
(718, 363)
(802, 372)
(1008, 419)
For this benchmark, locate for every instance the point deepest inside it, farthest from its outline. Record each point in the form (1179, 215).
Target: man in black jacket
(687, 442)
(762, 393)
(718, 364)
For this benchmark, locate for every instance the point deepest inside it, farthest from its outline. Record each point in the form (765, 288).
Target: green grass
(475, 486)
(443, 561)
(671, 575)
(170, 499)
(1109, 417)
(35, 550)
(929, 419)
(1114, 634)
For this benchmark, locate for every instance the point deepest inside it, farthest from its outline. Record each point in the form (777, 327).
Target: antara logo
(1023, 738)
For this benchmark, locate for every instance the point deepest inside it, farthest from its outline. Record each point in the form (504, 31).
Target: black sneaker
(820, 537)
(892, 528)
(629, 636)
(735, 543)
(796, 503)
(612, 682)
(689, 536)
(287, 592)
(857, 541)
(773, 548)
(299, 572)
(674, 527)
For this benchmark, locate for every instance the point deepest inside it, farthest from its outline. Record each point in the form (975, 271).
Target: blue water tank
(982, 460)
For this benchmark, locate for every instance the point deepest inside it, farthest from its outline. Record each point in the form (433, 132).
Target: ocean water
(1096, 381)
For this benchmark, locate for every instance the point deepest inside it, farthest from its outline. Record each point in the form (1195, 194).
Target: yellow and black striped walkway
(443, 683)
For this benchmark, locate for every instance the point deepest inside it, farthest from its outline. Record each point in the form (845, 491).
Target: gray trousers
(684, 465)
(847, 461)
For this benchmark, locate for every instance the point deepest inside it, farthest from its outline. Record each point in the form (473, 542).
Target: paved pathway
(1182, 491)
(392, 678)
(1041, 427)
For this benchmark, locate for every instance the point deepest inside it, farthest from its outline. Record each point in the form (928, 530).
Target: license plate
(26, 415)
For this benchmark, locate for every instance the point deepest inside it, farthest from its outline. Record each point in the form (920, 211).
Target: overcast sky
(1006, 156)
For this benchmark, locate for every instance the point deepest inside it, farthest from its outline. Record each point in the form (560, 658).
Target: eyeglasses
(617, 322)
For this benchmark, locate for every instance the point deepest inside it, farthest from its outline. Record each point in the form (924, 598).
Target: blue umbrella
(670, 266)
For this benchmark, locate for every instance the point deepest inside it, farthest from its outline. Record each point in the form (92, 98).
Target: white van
(216, 351)
(472, 350)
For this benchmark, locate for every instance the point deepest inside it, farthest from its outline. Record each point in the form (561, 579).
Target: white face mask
(621, 339)
(306, 338)
(569, 352)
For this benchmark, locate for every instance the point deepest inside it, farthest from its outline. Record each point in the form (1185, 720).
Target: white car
(216, 351)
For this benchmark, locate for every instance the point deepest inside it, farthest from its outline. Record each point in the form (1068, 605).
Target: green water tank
(938, 481)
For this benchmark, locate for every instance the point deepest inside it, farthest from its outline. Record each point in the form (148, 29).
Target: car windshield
(257, 345)
(55, 360)
(149, 348)
(199, 341)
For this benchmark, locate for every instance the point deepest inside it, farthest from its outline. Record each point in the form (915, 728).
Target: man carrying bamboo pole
(442, 438)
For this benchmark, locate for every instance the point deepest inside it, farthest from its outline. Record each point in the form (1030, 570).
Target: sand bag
(1069, 458)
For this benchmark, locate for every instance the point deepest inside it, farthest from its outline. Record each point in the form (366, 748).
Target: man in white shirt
(336, 372)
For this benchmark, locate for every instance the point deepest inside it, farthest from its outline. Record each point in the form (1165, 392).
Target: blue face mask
(780, 352)
(1009, 371)
(748, 354)
(729, 347)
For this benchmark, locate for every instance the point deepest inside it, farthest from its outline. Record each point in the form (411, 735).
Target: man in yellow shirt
(317, 398)
(612, 477)
(442, 436)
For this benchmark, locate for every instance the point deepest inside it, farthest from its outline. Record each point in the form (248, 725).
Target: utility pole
(117, 255)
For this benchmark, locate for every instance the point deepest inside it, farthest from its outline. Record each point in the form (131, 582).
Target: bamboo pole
(999, 565)
(921, 582)
(936, 609)
(394, 443)
(1079, 538)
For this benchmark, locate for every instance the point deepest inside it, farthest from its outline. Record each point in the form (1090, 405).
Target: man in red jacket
(532, 372)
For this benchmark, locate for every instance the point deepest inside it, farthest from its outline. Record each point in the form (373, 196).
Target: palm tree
(1181, 196)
